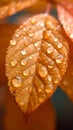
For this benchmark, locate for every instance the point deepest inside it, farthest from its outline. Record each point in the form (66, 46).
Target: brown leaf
(36, 61)
(65, 14)
(10, 7)
(6, 32)
(40, 7)
(67, 81)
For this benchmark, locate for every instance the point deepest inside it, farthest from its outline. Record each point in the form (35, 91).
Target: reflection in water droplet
(26, 72)
(43, 71)
(17, 82)
(13, 42)
(50, 49)
(24, 62)
(23, 52)
(13, 62)
(59, 59)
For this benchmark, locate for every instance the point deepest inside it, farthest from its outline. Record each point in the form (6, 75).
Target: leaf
(10, 7)
(6, 32)
(36, 61)
(67, 81)
(40, 7)
(65, 14)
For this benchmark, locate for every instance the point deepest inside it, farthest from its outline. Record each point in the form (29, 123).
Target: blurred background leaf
(6, 31)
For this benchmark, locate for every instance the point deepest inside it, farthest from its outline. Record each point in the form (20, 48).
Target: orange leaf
(67, 81)
(40, 7)
(36, 61)
(10, 7)
(65, 14)
(6, 32)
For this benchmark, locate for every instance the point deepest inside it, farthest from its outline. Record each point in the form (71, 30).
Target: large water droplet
(43, 71)
(17, 82)
(59, 59)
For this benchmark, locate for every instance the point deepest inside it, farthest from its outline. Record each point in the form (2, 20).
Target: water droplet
(41, 88)
(16, 35)
(13, 42)
(36, 44)
(30, 34)
(30, 57)
(17, 82)
(24, 62)
(49, 78)
(56, 81)
(51, 65)
(23, 52)
(43, 71)
(13, 62)
(33, 21)
(49, 88)
(60, 45)
(50, 49)
(26, 72)
(59, 59)
(40, 99)
(41, 24)
(56, 39)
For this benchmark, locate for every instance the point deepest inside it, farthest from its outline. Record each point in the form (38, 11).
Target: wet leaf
(9, 7)
(65, 14)
(6, 32)
(36, 61)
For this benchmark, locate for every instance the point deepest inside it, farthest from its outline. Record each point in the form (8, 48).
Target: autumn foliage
(65, 18)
